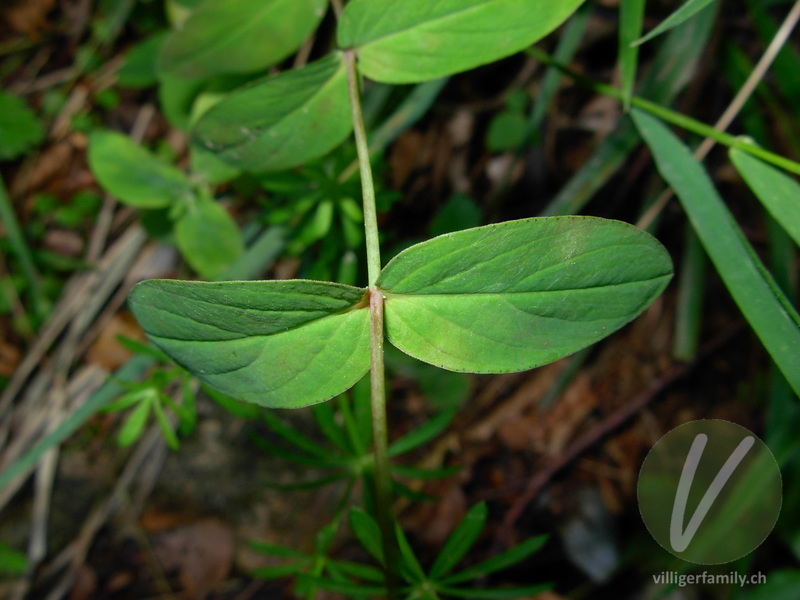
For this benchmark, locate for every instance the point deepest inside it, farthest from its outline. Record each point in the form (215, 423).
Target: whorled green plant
(493, 299)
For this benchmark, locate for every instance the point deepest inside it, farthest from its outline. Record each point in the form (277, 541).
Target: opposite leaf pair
(492, 299)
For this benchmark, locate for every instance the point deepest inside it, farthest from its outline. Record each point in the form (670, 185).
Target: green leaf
(12, 562)
(281, 121)
(367, 532)
(779, 193)
(411, 568)
(208, 237)
(764, 306)
(496, 594)
(631, 18)
(166, 427)
(134, 424)
(273, 343)
(520, 294)
(139, 69)
(781, 584)
(506, 131)
(506, 559)
(134, 175)
(684, 13)
(239, 36)
(460, 541)
(422, 434)
(19, 128)
(398, 41)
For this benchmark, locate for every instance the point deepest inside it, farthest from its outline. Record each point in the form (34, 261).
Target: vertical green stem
(383, 480)
(367, 185)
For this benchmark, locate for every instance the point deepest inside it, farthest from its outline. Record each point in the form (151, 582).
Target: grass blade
(423, 434)
(684, 13)
(367, 532)
(673, 68)
(497, 594)
(503, 560)
(779, 193)
(106, 394)
(630, 28)
(460, 541)
(763, 304)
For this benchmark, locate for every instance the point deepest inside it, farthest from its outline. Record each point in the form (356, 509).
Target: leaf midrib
(389, 294)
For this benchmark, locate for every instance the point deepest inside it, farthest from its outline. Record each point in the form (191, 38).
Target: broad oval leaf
(779, 193)
(516, 295)
(239, 36)
(281, 121)
(398, 41)
(281, 344)
(134, 175)
(208, 238)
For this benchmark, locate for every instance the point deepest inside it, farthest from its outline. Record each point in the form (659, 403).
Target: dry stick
(75, 554)
(741, 98)
(46, 471)
(504, 535)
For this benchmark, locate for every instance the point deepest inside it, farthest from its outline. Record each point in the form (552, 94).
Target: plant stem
(383, 480)
(367, 185)
(675, 118)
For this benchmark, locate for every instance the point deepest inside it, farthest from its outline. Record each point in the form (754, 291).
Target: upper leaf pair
(284, 121)
(492, 299)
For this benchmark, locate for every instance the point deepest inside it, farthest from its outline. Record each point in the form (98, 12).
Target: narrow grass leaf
(276, 550)
(520, 294)
(281, 121)
(134, 424)
(760, 300)
(631, 18)
(325, 417)
(365, 572)
(110, 390)
(674, 67)
(407, 42)
(239, 36)
(356, 590)
(496, 594)
(274, 343)
(503, 560)
(295, 456)
(294, 437)
(779, 193)
(166, 427)
(460, 541)
(411, 567)
(134, 175)
(423, 473)
(367, 532)
(422, 434)
(684, 13)
(208, 238)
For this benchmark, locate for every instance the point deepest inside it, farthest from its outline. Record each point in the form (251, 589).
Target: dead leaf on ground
(107, 351)
(201, 554)
(27, 16)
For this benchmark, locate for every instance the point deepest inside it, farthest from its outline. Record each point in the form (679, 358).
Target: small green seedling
(204, 232)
